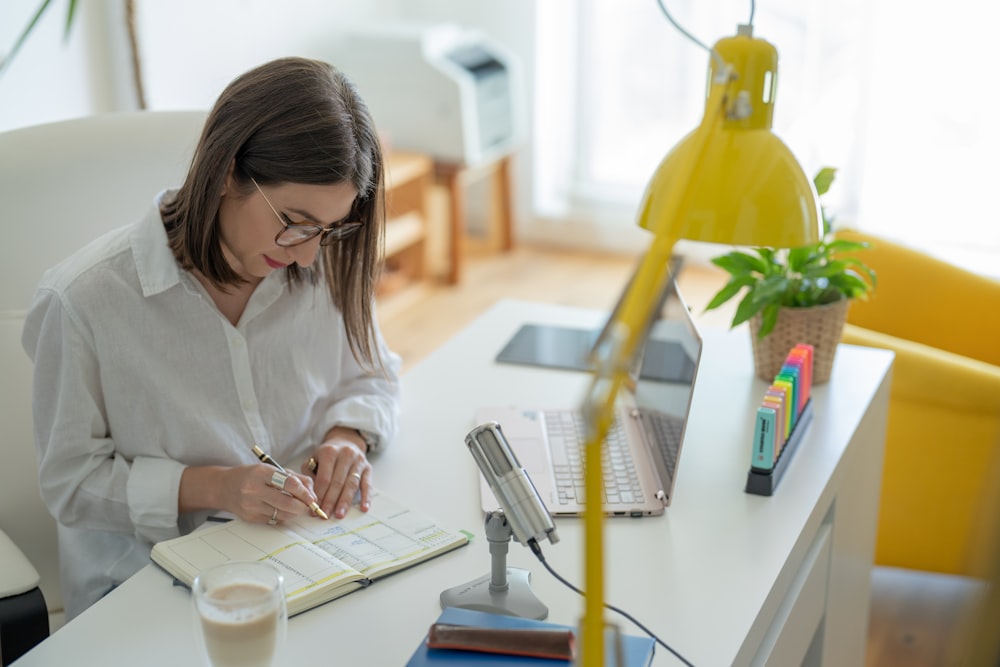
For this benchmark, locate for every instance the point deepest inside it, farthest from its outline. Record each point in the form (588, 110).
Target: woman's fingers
(342, 470)
(286, 495)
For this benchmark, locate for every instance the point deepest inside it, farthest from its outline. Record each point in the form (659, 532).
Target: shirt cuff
(153, 488)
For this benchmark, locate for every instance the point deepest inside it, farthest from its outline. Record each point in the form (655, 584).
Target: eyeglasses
(296, 233)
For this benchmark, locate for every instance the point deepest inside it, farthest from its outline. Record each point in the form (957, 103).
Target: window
(889, 92)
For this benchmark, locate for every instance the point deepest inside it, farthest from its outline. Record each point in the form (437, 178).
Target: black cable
(537, 550)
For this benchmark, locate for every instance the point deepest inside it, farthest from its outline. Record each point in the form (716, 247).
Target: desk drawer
(801, 612)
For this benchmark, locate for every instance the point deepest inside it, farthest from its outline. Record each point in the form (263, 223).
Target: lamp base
(516, 600)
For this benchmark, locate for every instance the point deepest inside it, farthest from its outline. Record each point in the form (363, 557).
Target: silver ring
(274, 518)
(278, 480)
(356, 475)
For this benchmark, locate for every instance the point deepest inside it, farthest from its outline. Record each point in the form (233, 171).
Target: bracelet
(370, 439)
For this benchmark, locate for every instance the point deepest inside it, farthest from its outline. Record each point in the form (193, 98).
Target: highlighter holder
(763, 483)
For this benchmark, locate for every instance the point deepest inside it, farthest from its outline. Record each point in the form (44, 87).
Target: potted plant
(796, 295)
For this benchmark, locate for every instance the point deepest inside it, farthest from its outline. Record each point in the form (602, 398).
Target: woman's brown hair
(292, 120)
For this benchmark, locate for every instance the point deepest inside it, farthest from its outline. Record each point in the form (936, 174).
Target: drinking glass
(240, 615)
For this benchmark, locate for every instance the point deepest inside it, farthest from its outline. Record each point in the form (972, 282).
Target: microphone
(523, 507)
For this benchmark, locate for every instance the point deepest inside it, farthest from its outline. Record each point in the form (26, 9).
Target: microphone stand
(505, 590)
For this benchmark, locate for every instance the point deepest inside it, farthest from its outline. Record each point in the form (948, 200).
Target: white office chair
(61, 185)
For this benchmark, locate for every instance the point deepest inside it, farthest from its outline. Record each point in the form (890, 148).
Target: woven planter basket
(819, 326)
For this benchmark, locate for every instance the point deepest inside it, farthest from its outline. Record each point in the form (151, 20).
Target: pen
(266, 458)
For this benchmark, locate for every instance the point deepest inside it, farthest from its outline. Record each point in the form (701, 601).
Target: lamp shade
(732, 180)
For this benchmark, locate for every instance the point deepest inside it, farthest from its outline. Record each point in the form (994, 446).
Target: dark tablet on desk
(569, 349)
(551, 347)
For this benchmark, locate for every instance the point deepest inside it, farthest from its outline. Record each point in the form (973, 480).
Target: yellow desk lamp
(729, 181)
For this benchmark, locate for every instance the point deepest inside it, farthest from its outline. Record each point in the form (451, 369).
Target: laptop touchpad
(531, 454)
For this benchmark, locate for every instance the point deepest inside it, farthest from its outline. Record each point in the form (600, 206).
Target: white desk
(721, 576)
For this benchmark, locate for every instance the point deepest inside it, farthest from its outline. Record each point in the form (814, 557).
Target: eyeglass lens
(296, 234)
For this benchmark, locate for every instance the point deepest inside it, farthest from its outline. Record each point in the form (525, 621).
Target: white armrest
(17, 575)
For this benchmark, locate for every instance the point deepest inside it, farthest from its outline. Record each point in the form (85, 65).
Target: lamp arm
(612, 361)
(598, 409)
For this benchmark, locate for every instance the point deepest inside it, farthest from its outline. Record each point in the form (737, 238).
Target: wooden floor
(914, 616)
(419, 321)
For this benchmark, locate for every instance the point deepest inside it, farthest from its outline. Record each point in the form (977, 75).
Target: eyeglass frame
(337, 231)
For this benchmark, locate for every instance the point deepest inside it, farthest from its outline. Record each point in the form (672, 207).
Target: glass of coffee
(240, 614)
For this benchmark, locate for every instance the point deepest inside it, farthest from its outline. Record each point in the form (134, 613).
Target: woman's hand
(256, 493)
(341, 470)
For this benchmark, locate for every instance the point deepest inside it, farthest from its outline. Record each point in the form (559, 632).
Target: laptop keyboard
(566, 430)
(667, 432)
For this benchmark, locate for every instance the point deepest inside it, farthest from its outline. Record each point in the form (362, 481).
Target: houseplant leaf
(9, 56)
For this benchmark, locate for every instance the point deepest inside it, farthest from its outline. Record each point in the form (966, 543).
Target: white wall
(53, 78)
(190, 50)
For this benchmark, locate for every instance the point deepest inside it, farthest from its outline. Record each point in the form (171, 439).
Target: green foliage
(70, 14)
(809, 275)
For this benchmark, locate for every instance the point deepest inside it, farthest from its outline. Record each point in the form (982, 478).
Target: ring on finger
(278, 479)
(356, 475)
(274, 518)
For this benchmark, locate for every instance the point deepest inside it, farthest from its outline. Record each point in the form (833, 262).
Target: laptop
(642, 450)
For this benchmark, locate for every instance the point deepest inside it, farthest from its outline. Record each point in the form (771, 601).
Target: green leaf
(740, 263)
(843, 245)
(823, 179)
(850, 284)
(70, 14)
(768, 255)
(768, 318)
(729, 291)
(799, 257)
(5, 62)
(831, 268)
(745, 310)
(770, 289)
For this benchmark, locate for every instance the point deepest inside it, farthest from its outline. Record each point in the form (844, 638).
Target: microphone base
(517, 600)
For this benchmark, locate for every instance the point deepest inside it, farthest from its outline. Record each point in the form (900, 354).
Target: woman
(237, 313)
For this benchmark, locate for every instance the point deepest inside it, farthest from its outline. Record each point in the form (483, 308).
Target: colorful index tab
(764, 439)
(786, 386)
(805, 351)
(794, 367)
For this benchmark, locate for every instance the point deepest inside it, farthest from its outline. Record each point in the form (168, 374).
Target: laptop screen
(665, 387)
(668, 356)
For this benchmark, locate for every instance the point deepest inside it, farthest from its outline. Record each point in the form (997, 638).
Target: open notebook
(320, 560)
(642, 450)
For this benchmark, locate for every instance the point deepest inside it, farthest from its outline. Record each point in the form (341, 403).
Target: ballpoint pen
(266, 458)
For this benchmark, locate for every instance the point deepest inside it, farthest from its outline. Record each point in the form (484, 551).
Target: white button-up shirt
(138, 375)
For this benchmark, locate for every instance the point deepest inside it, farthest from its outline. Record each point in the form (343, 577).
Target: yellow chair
(943, 430)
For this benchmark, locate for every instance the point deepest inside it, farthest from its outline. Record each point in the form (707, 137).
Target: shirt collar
(155, 263)
(158, 268)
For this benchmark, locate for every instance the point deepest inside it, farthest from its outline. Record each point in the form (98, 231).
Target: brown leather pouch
(553, 643)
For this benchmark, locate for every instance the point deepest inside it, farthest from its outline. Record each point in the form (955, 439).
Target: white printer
(439, 89)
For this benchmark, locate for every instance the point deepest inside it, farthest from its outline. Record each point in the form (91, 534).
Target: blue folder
(638, 649)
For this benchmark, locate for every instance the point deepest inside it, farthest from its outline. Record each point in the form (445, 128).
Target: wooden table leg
(451, 176)
(503, 182)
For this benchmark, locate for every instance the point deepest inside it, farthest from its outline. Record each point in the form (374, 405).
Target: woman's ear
(228, 182)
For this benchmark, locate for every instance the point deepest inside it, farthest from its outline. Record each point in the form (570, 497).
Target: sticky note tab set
(781, 419)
